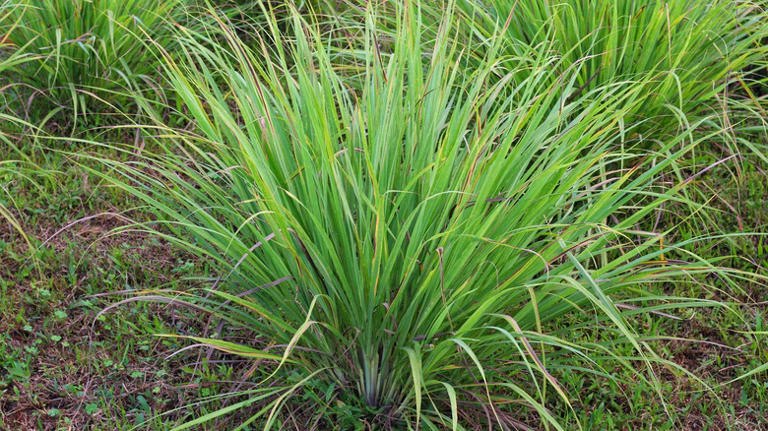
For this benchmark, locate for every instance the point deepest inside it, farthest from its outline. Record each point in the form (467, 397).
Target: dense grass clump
(691, 50)
(8, 57)
(81, 48)
(400, 244)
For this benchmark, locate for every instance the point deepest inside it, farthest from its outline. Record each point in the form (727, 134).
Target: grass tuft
(404, 244)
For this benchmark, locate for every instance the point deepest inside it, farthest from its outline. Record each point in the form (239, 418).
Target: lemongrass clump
(83, 51)
(400, 243)
(690, 50)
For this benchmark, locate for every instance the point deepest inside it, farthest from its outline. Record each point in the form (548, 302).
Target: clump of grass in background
(758, 78)
(11, 58)
(9, 61)
(691, 50)
(401, 251)
(82, 48)
(9, 19)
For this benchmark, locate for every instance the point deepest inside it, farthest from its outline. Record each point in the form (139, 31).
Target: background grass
(83, 52)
